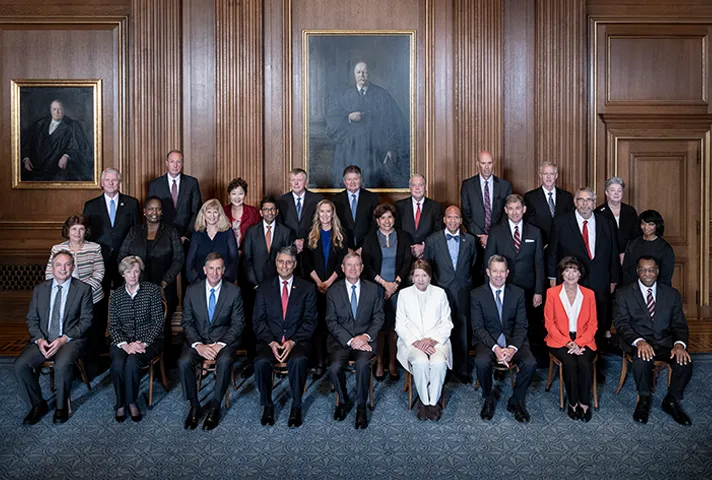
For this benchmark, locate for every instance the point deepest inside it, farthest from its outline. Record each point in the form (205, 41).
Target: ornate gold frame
(15, 88)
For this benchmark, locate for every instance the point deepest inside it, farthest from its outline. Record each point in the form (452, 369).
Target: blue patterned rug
(396, 445)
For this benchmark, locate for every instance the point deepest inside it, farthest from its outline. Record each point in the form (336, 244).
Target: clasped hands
(281, 350)
(426, 345)
(208, 351)
(574, 349)
(49, 349)
(504, 355)
(360, 342)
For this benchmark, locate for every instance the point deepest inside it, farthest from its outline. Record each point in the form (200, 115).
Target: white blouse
(572, 310)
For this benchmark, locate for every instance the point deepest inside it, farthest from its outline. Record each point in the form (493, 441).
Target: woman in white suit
(423, 325)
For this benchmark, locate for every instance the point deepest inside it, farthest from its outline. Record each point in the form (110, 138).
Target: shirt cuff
(68, 339)
(368, 336)
(635, 342)
(121, 344)
(195, 344)
(349, 342)
(222, 344)
(684, 345)
(515, 348)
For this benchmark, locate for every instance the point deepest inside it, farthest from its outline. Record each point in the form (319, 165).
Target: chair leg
(477, 384)
(511, 377)
(164, 379)
(410, 391)
(624, 370)
(442, 397)
(561, 387)
(551, 375)
(83, 373)
(151, 366)
(669, 375)
(654, 380)
(370, 387)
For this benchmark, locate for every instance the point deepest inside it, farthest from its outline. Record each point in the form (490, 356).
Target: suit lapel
(599, 234)
(44, 301)
(182, 187)
(409, 214)
(478, 189)
(220, 302)
(203, 303)
(442, 245)
(461, 253)
(641, 300)
(573, 224)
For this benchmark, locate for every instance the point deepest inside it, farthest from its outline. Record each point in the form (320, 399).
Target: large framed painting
(56, 134)
(359, 107)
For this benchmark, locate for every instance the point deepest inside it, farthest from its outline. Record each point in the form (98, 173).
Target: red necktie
(285, 301)
(417, 215)
(268, 238)
(517, 239)
(585, 238)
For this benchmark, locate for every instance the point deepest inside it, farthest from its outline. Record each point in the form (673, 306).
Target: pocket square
(528, 240)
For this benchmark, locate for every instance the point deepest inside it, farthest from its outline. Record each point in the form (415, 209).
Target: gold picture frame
(70, 157)
(382, 140)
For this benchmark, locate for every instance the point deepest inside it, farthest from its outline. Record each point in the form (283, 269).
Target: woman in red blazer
(241, 215)
(570, 320)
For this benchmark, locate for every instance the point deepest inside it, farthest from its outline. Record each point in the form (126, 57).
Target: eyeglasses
(648, 270)
(269, 209)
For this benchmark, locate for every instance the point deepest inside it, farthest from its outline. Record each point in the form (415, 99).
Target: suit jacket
(628, 227)
(538, 214)
(288, 212)
(110, 238)
(250, 216)
(526, 267)
(300, 321)
(566, 239)
(165, 260)
(413, 324)
(456, 282)
(228, 319)
(259, 263)
(182, 216)
(633, 319)
(431, 218)
(314, 259)
(340, 320)
(78, 313)
(486, 326)
(372, 256)
(357, 230)
(473, 204)
(557, 322)
(136, 319)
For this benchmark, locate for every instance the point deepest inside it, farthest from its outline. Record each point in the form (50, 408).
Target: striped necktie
(517, 239)
(650, 301)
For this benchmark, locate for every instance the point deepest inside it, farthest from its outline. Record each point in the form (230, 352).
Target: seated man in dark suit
(499, 325)
(652, 326)
(418, 215)
(213, 320)
(355, 206)
(58, 319)
(354, 316)
(453, 254)
(284, 320)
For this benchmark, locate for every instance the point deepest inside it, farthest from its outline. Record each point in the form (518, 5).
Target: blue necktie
(299, 208)
(454, 248)
(353, 206)
(211, 305)
(501, 340)
(112, 211)
(354, 302)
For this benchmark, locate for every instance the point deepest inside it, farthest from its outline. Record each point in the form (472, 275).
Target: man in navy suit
(453, 254)
(284, 320)
(213, 320)
(418, 215)
(354, 316)
(499, 324)
(355, 206)
(547, 202)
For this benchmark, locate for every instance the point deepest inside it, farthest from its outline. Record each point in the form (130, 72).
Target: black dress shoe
(573, 413)
(295, 417)
(487, 410)
(361, 418)
(520, 412)
(379, 378)
(61, 415)
(137, 416)
(422, 413)
(642, 408)
(36, 413)
(318, 373)
(193, 418)
(267, 416)
(120, 417)
(342, 411)
(212, 418)
(586, 416)
(394, 376)
(433, 412)
(671, 407)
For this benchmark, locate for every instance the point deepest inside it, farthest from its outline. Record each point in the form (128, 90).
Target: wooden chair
(555, 361)
(238, 353)
(49, 365)
(658, 366)
(205, 369)
(502, 368)
(350, 368)
(408, 387)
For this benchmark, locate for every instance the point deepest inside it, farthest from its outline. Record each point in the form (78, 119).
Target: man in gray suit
(213, 321)
(452, 255)
(354, 316)
(58, 319)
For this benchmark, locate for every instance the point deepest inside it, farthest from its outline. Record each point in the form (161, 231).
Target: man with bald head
(369, 129)
(452, 254)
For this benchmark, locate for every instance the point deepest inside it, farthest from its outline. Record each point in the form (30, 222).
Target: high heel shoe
(573, 413)
(379, 378)
(585, 416)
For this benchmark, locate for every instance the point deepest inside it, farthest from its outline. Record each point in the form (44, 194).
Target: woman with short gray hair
(624, 216)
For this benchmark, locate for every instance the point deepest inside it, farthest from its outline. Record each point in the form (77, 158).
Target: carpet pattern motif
(396, 445)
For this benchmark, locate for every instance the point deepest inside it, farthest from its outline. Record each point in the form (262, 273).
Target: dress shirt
(350, 196)
(546, 194)
(501, 297)
(358, 297)
(644, 291)
(264, 228)
(454, 247)
(289, 285)
(295, 196)
(591, 230)
(207, 302)
(521, 229)
(170, 181)
(490, 185)
(572, 310)
(53, 126)
(415, 206)
(53, 295)
(108, 199)
(364, 89)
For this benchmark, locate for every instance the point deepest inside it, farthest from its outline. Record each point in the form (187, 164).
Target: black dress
(659, 249)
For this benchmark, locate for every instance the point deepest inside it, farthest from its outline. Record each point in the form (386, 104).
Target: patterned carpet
(396, 445)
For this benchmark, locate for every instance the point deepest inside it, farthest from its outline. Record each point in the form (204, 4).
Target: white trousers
(428, 374)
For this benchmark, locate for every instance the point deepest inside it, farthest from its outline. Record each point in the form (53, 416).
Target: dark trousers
(578, 374)
(126, 371)
(189, 361)
(485, 359)
(297, 366)
(339, 357)
(31, 359)
(643, 373)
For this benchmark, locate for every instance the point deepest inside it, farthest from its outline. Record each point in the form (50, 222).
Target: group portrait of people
(305, 285)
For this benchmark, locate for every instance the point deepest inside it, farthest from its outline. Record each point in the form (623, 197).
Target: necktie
(268, 238)
(417, 215)
(354, 302)
(299, 208)
(285, 299)
(651, 303)
(53, 330)
(488, 209)
(517, 238)
(112, 211)
(362, 92)
(552, 207)
(353, 206)
(52, 127)
(501, 340)
(454, 248)
(174, 193)
(584, 232)
(211, 305)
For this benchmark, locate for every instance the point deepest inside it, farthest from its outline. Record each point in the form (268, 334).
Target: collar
(415, 202)
(519, 224)
(107, 198)
(447, 232)
(494, 291)
(66, 283)
(208, 287)
(644, 289)
(547, 192)
(295, 196)
(579, 219)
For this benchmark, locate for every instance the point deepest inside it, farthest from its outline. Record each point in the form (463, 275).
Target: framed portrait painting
(359, 107)
(56, 134)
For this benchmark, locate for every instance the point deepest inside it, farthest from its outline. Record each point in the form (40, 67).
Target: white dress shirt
(207, 303)
(108, 199)
(63, 306)
(501, 297)
(415, 205)
(644, 292)
(521, 229)
(264, 228)
(170, 181)
(572, 310)
(546, 194)
(490, 187)
(53, 126)
(591, 230)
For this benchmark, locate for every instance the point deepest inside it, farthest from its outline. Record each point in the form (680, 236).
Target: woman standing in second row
(241, 215)
(212, 234)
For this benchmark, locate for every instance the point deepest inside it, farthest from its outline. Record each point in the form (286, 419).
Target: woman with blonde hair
(213, 233)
